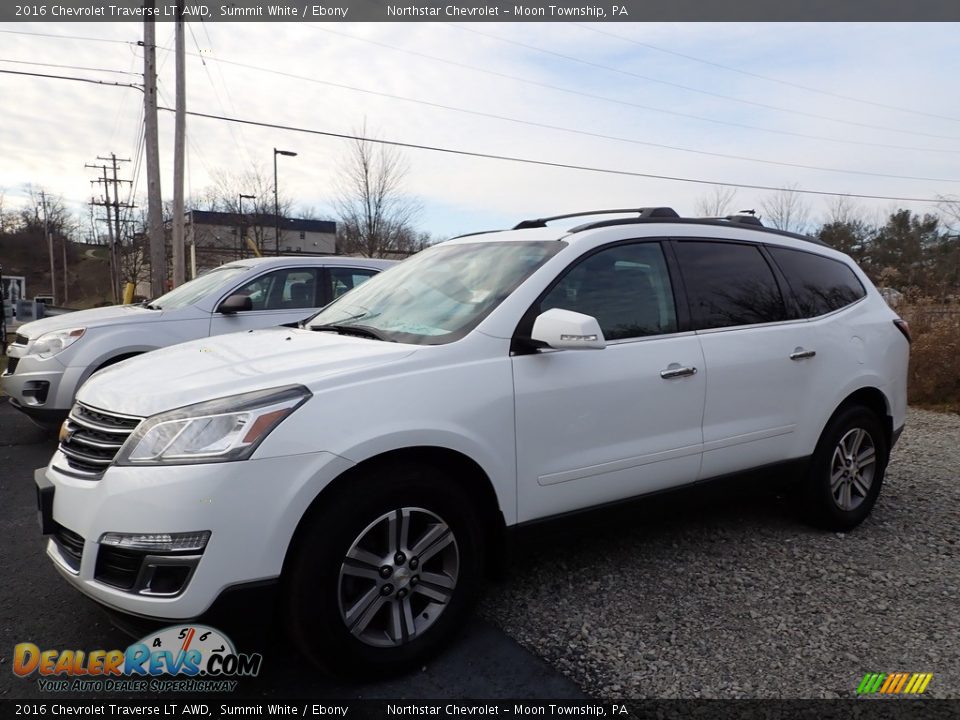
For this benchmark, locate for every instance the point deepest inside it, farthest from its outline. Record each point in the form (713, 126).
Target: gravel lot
(725, 594)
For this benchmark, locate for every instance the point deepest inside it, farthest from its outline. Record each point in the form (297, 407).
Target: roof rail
(744, 217)
(753, 223)
(649, 212)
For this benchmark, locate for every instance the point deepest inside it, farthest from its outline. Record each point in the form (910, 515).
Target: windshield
(439, 295)
(191, 292)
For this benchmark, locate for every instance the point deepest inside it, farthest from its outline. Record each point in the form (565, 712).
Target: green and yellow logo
(894, 683)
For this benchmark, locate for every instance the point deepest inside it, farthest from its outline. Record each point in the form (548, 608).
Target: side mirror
(235, 304)
(568, 330)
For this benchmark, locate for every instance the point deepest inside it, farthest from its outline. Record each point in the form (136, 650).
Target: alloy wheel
(852, 469)
(398, 577)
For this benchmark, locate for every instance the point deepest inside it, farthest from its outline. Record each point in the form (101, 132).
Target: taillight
(904, 327)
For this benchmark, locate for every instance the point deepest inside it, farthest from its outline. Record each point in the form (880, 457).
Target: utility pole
(117, 237)
(180, 129)
(46, 233)
(155, 231)
(113, 223)
(66, 290)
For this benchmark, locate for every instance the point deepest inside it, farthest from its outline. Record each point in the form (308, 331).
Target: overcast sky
(562, 75)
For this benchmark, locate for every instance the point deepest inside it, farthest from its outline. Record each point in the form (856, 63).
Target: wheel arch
(111, 358)
(873, 399)
(477, 486)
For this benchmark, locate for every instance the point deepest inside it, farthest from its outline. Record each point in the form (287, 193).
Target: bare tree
(5, 219)
(786, 209)
(949, 205)
(844, 210)
(134, 249)
(716, 202)
(376, 216)
(258, 216)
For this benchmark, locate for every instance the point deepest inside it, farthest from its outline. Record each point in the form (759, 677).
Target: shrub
(934, 356)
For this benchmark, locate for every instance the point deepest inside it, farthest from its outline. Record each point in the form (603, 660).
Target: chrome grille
(91, 439)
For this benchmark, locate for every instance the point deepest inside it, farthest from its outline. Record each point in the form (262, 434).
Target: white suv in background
(368, 463)
(51, 358)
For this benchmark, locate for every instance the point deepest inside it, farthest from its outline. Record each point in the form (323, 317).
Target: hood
(231, 364)
(111, 315)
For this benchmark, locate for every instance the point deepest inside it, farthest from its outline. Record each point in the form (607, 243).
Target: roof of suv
(534, 229)
(332, 260)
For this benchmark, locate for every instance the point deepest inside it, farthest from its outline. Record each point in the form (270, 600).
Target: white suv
(51, 358)
(368, 463)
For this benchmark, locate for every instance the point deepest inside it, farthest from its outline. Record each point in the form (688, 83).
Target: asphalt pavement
(37, 605)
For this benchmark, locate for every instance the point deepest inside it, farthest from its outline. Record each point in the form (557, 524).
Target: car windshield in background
(439, 295)
(191, 292)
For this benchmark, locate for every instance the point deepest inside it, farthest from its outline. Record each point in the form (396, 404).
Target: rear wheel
(847, 470)
(386, 574)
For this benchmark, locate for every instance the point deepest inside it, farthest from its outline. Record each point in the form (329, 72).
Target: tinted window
(344, 278)
(819, 284)
(729, 284)
(626, 288)
(283, 289)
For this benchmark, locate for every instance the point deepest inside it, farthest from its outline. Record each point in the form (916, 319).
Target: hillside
(88, 269)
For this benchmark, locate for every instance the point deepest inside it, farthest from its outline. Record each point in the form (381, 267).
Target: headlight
(221, 430)
(49, 344)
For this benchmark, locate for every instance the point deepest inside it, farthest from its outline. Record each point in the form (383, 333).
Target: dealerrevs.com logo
(180, 658)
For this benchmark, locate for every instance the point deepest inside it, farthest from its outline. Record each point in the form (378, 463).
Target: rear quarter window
(819, 284)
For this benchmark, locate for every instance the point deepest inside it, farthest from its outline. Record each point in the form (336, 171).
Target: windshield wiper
(357, 330)
(151, 306)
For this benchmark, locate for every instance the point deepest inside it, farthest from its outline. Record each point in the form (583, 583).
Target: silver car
(51, 358)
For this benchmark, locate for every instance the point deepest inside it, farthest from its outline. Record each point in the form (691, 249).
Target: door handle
(801, 354)
(677, 372)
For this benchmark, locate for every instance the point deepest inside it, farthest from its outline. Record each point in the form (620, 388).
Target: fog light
(35, 392)
(158, 542)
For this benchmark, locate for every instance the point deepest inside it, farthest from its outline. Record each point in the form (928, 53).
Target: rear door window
(343, 279)
(819, 284)
(728, 284)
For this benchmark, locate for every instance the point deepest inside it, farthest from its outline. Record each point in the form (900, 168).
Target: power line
(490, 156)
(238, 137)
(75, 79)
(625, 72)
(66, 67)
(64, 37)
(626, 103)
(700, 91)
(544, 163)
(768, 78)
(586, 133)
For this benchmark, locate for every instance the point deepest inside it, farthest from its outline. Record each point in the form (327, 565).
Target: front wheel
(847, 470)
(386, 574)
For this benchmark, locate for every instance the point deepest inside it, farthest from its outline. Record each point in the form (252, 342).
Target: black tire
(313, 587)
(824, 501)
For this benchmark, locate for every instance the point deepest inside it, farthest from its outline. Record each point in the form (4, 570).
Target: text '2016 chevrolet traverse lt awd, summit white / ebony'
(369, 462)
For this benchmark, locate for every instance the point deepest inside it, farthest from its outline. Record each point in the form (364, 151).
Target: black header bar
(220, 707)
(483, 11)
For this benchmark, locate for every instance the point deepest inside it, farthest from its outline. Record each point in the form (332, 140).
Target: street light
(242, 197)
(276, 198)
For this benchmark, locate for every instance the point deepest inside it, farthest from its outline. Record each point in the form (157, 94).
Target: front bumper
(251, 509)
(41, 388)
